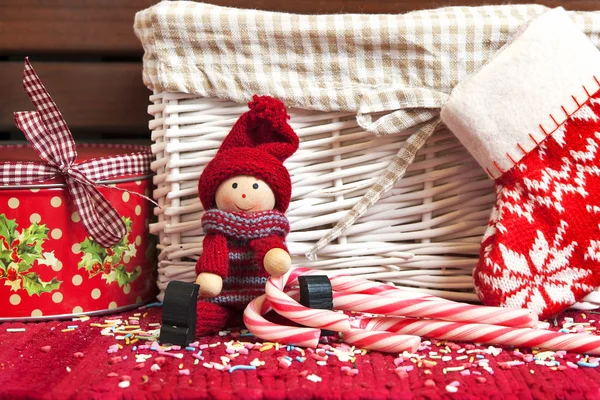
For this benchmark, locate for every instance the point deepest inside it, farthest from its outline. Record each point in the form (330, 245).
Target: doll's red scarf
(245, 226)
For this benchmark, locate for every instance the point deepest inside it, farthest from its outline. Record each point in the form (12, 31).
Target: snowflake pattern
(527, 280)
(541, 249)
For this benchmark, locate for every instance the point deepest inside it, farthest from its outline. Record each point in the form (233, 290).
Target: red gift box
(74, 222)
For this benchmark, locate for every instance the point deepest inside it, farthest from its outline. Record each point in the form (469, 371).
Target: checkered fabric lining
(351, 62)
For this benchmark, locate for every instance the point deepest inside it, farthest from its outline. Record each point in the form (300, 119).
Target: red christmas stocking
(531, 118)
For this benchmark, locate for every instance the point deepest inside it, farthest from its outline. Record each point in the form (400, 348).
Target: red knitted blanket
(43, 362)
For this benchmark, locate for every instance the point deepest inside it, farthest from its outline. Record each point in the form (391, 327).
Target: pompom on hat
(257, 145)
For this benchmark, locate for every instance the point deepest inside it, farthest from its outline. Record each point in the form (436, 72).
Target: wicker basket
(423, 234)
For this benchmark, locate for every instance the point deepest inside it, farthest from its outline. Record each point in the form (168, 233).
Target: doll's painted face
(244, 193)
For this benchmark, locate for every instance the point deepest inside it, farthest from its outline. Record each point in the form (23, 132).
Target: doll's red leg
(211, 318)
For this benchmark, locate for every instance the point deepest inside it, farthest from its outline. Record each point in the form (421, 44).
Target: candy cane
(381, 341)
(309, 337)
(444, 310)
(266, 330)
(484, 333)
(401, 303)
(289, 308)
(352, 284)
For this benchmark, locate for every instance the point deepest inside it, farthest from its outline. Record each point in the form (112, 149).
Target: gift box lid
(23, 154)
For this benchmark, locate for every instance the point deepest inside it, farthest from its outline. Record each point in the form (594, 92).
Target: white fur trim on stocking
(525, 92)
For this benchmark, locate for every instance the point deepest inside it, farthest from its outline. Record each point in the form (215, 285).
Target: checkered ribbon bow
(48, 134)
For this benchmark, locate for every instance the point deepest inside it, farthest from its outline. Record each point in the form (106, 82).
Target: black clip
(316, 292)
(179, 313)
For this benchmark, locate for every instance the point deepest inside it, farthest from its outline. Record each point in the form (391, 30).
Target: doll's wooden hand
(210, 284)
(277, 262)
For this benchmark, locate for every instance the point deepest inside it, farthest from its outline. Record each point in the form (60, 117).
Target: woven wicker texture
(425, 232)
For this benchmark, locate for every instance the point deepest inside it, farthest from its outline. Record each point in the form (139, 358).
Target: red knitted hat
(258, 144)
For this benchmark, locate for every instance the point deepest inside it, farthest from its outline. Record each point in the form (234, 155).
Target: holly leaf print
(110, 278)
(19, 252)
(122, 245)
(35, 285)
(7, 233)
(93, 257)
(49, 259)
(3, 267)
(131, 251)
(7, 229)
(87, 262)
(123, 277)
(110, 262)
(14, 285)
(5, 257)
(95, 251)
(30, 243)
(22, 266)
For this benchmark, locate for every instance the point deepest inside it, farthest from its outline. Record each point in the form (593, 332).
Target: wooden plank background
(90, 60)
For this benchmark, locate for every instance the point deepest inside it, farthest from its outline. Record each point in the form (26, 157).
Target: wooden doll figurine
(245, 191)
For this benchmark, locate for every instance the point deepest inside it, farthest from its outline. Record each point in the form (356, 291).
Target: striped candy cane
(443, 310)
(352, 284)
(266, 330)
(484, 333)
(289, 308)
(381, 341)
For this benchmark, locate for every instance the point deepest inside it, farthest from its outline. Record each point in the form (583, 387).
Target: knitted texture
(257, 145)
(28, 373)
(210, 318)
(234, 248)
(245, 226)
(542, 247)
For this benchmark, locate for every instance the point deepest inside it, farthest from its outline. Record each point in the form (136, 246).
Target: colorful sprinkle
(151, 305)
(257, 363)
(587, 364)
(451, 389)
(241, 367)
